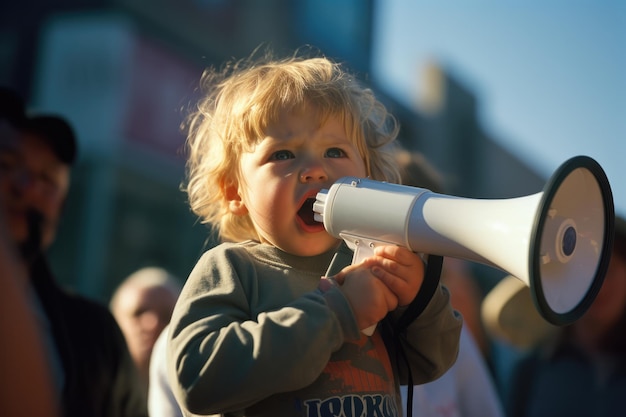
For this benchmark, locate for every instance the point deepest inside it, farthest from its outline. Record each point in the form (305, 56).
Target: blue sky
(550, 75)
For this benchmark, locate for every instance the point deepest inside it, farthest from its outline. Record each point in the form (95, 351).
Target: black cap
(57, 133)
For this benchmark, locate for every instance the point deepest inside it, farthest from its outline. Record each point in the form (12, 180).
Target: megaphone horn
(558, 241)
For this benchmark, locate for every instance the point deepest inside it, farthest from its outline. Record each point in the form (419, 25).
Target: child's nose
(313, 172)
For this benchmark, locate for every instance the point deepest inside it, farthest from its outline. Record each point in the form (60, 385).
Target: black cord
(417, 306)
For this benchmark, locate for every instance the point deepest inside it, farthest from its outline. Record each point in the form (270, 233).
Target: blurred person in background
(91, 369)
(580, 369)
(25, 372)
(467, 388)
(161, 399)
(142, 305)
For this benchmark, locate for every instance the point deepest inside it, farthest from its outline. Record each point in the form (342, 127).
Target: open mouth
(306, 212)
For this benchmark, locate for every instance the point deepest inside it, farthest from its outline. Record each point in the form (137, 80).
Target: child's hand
(400, 269)
(369, 297)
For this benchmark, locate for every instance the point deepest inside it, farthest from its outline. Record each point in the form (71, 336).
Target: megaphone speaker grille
(572, 241)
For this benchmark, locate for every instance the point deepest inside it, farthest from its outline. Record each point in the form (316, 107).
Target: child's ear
(235, 203)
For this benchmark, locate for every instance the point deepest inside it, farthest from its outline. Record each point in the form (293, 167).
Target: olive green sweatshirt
(253, 335)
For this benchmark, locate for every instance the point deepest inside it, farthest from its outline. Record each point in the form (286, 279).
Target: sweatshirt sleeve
(237, 338)
(431, 341)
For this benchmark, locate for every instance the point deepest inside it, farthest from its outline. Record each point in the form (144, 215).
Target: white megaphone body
(558, 241)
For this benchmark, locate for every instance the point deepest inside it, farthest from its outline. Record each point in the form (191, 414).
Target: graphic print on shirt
(359, 382)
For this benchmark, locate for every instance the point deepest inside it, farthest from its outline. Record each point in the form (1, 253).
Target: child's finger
(398, 254)
(396, 283)
(340, 276)
(397, 261)
(401, 270)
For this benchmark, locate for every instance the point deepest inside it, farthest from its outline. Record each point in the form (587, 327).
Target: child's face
(284, 173)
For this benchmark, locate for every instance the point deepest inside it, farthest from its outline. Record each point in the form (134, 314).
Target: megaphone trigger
(362, 246)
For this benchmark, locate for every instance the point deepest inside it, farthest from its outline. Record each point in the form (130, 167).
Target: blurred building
(125, 71)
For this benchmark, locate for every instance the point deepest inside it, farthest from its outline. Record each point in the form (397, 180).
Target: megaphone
(558, 241)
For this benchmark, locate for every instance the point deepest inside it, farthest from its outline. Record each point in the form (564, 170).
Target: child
(256, 331)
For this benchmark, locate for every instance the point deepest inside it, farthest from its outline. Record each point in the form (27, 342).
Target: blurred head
(416, 171)
(34, 178)
(142, 306)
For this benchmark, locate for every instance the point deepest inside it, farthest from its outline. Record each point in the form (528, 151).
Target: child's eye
(335, 153)
(282, 155)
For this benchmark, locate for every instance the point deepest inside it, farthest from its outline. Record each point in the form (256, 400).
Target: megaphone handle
(342, 258)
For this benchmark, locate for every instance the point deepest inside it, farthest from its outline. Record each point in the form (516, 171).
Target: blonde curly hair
(243, 98)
